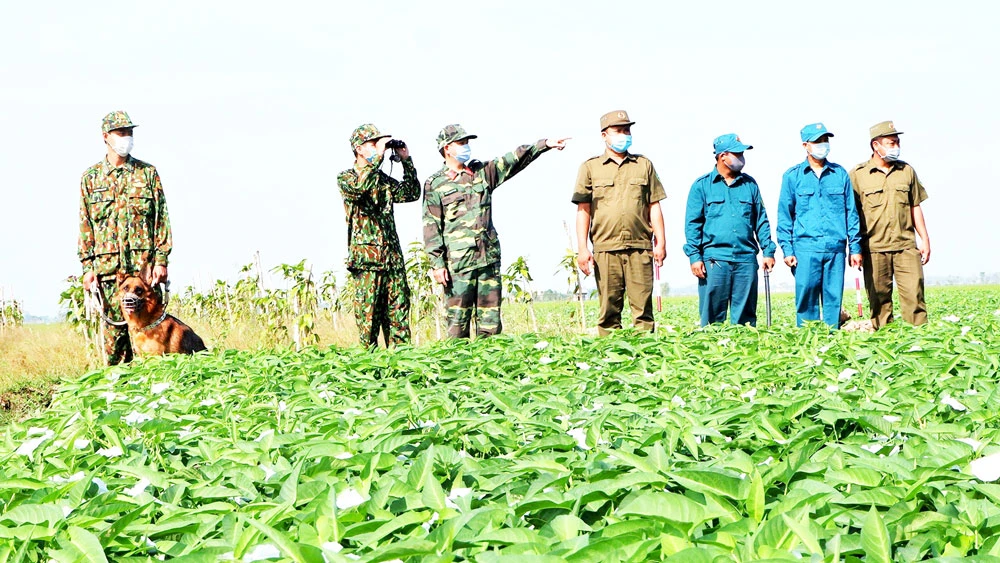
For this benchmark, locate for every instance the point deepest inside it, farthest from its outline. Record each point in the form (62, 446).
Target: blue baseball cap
(729, 142)
(813, 131)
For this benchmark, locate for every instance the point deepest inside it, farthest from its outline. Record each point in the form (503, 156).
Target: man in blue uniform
(817, 222)
(725, 227)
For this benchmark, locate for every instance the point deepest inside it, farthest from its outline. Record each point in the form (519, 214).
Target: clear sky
(246, 109)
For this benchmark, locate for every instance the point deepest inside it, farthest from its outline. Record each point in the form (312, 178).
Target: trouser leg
(833, 267)
(364, 304)
(117, 346)
(808, 274)
(878, 285)
(909, 274)
(398, 308)
(609, 271)
(743, 309)
(714, 292)
(639, 287)
(488, 300)
(460, 298)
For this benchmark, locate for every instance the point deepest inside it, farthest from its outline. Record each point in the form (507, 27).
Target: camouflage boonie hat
(452, 133)
(883, 129)
(365, 133)
(116, 120)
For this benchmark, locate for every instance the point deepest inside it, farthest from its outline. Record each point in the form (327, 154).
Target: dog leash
(95, 290)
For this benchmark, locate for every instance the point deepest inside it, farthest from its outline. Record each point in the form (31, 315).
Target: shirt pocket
(638, 188)
(873, 198)
(746, 206)
(804, 196)
(142, 216)
(902, 194)
(715, 205)
(454, 206)
(100, 206)
(603, 189)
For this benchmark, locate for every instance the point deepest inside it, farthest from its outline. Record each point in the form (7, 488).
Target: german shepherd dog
(152, 331)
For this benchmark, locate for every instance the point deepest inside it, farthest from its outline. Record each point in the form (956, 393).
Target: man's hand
(856, 261)
(585, 261)
(441, 276)
(557, 144)
(791, 261)
(159, 275)
(659, 253)
(380, 145)
(403, 152)
(88, 280)
(698, 269)
(925, 253)
(768, 264)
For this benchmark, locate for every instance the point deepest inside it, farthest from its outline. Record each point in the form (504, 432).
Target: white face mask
(890, 155)
(122, 145)
(819, 151)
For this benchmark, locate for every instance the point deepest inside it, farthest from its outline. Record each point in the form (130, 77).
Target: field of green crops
(725, 444)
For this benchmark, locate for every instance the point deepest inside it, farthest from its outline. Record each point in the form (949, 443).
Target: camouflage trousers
(381, 304)
(477, 289)
(117, 346)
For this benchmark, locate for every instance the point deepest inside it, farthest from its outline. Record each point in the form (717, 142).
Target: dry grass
(33, 359)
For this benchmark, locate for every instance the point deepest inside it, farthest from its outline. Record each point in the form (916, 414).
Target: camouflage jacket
(458, 210)
(123, 218)
(372, 242)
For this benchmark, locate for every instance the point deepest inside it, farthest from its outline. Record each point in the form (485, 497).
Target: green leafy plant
(714, 444)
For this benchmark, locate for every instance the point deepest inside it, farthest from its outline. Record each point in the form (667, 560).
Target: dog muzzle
(130, 302)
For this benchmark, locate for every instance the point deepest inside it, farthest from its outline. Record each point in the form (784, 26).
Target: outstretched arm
(501, 169)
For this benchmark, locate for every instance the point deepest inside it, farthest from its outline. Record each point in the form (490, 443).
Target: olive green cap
(613, 118)
(883, 129)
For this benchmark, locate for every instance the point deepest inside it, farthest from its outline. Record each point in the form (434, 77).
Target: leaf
(875, 538)
(281, 541)
(755, 497)
(710, 481)
(87, 545)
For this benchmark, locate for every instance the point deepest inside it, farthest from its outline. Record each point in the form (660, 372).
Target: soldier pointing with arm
(458, 227)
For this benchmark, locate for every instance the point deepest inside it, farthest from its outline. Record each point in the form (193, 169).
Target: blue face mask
(463, 153)
(620, 143)
(819, 151)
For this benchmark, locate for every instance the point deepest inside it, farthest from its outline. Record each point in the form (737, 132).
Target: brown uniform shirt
(885, 205)
(619, 198)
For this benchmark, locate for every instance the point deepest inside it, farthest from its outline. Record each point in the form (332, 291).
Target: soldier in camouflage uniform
(374, 257)
(124, 227)
(458, 228)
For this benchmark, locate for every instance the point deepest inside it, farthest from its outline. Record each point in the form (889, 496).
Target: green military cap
(116, 120)
(365, 133)
(883, 129)
(452, 133)
(612, 118)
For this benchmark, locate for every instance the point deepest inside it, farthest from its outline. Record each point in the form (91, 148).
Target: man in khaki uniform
(617, 199)
(889, 197)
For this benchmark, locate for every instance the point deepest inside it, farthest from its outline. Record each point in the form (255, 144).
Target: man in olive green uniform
(889, 197)
(617, 199)
(459, 236)
(374, 257)
(124, 227)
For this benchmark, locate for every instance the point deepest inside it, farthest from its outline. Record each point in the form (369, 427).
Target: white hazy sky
(246, 109)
